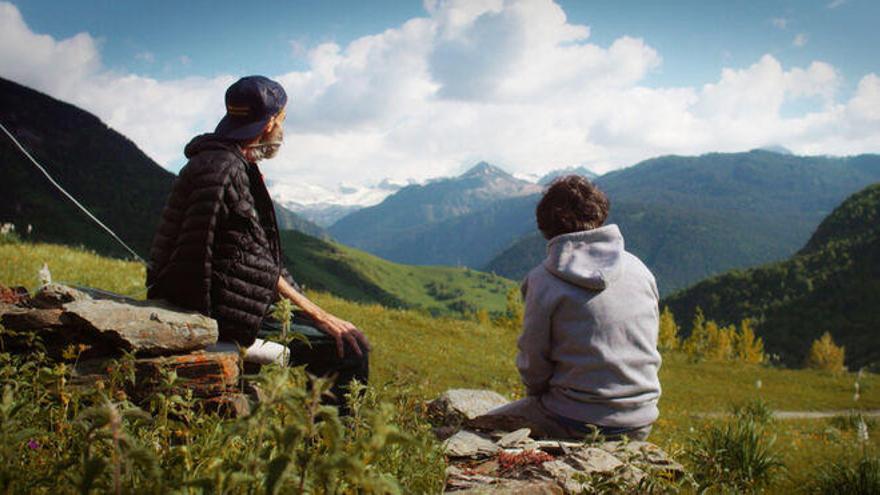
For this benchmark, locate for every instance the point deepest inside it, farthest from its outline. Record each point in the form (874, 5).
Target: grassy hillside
(421, 356)
(359, 276)
(833, 285)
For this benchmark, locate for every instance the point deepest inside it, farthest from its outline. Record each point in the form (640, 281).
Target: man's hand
(342, 330)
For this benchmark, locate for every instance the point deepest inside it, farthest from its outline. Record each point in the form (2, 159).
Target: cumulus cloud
(157, 115)
(513, 82)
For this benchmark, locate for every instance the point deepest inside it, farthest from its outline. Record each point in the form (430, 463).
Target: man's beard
(268, 145)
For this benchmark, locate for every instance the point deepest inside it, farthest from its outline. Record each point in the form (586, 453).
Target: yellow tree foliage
(719, 342)
(747, 347)
(695, 345)
(668, 339)
(514, 312)
(826, 355)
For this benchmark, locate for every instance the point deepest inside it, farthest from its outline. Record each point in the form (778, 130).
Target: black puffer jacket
(217, 249)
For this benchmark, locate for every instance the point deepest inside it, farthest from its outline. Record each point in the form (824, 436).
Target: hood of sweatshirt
(591, 259)
(204, 142)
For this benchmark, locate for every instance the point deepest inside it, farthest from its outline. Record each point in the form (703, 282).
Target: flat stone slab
(469, 444)
(515, 438)
(142, 327)
(456, 406)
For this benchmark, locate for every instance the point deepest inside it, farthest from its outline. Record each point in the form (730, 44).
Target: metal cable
(71, 198)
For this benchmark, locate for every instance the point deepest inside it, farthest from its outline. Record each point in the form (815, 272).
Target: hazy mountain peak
(484, 169)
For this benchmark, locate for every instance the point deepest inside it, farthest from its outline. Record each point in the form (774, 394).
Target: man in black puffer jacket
(217, 249)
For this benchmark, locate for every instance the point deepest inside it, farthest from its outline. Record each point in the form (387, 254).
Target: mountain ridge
(100, 167)
(832, 284)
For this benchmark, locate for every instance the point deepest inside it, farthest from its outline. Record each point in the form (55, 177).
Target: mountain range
(687, 217)
(832, 284)
(103, 169)
(400, 228)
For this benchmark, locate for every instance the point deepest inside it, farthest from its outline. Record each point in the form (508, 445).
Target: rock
(469, 444)
(646, 455)
(55, 295)
(141, 327)
(515, 438)
(206, 374)
(459, 405)
(557, 447)
(516, 487)
(30, 319)
(595, 460)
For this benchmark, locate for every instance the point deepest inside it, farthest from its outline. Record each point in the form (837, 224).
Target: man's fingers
(352, 341)
(363, 339)
(340, 347)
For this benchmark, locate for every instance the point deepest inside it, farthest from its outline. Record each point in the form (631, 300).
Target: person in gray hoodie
(588, 352)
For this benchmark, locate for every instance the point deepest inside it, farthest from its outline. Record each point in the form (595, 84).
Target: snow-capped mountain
(324, 206)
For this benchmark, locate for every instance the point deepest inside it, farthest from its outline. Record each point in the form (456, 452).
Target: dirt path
(803, 414)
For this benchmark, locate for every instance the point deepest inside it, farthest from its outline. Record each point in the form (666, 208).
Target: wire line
(68, 195)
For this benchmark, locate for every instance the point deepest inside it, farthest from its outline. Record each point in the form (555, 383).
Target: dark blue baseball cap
(250, 103)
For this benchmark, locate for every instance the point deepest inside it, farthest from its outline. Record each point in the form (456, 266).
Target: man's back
(211, 253)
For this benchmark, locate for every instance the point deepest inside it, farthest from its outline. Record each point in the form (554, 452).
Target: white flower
(759, 384)
(863, 431)
(7, 228)
(45, 275)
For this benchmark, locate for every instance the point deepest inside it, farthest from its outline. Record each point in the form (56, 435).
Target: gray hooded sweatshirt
(589, 342)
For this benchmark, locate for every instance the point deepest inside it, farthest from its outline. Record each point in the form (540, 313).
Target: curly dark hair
(571, 204)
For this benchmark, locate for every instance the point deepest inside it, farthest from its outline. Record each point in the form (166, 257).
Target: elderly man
(217, 249)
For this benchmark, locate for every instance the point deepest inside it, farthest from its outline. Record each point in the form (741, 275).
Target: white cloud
(779, 22)
(800, 40)
(835, 3)
(511, 82)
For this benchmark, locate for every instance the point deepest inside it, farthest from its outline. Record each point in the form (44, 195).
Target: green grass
(428, 355)
(358, 276)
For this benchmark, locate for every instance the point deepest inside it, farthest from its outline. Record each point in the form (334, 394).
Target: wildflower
(45, 275)
(856, 396)
(7, 228)
(863, 431)
(30, 228)
(759, 384)
(33, 444)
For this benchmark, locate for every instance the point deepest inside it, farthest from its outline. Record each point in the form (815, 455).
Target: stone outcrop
(500, 461)
(96, 328)
(144, 328)
(61, 316)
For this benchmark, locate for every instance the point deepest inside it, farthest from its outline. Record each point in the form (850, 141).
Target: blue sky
(405, 89)
(696, 38)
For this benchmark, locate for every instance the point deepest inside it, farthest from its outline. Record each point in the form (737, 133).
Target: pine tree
(826, 355)
(668, 339)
